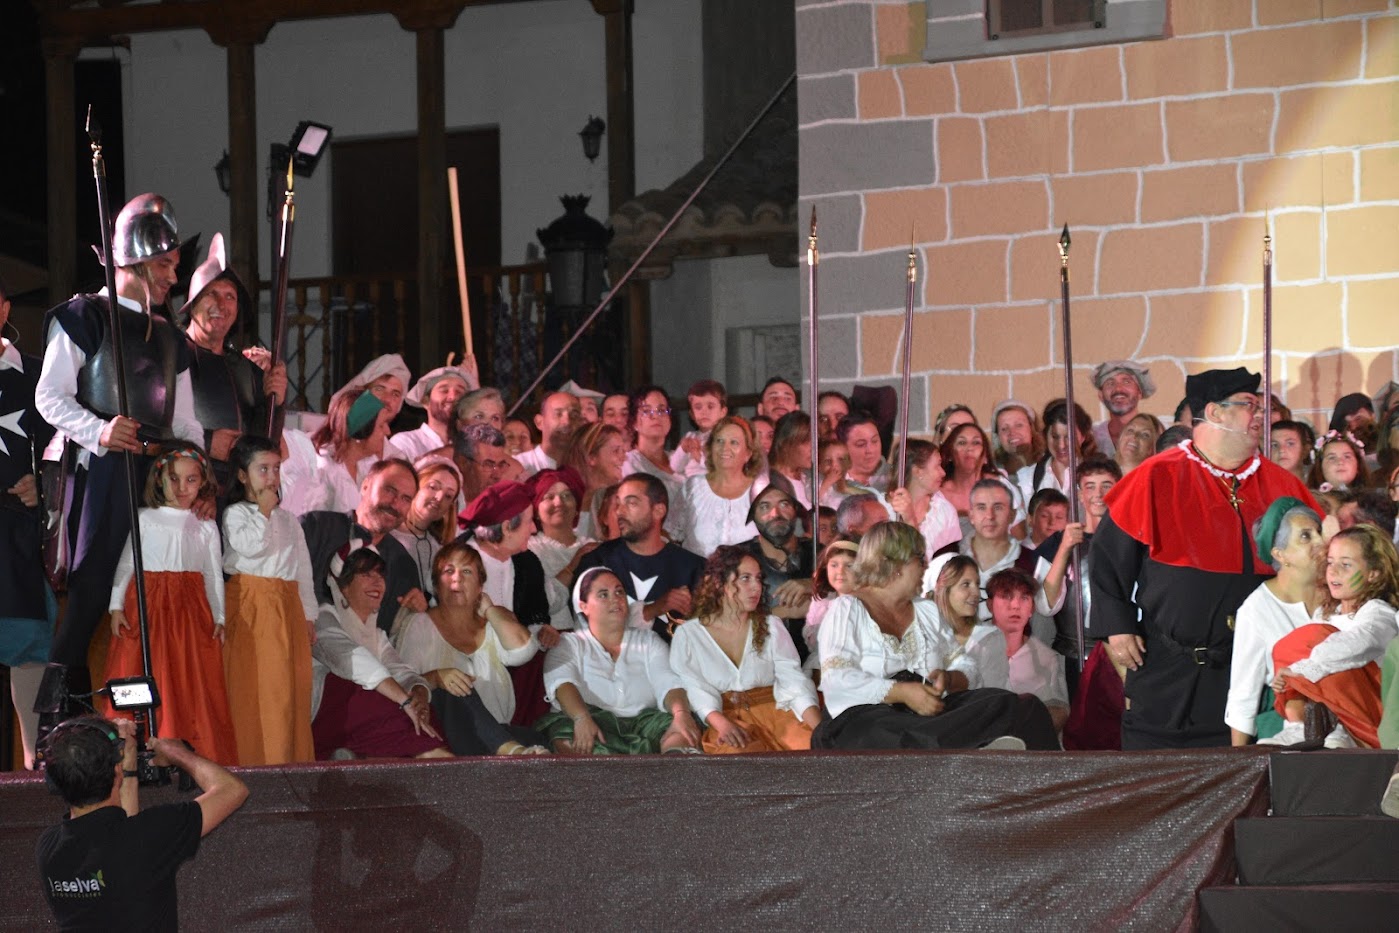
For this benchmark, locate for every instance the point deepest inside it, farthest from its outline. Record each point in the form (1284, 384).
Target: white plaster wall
(692, 311)
(536, 70)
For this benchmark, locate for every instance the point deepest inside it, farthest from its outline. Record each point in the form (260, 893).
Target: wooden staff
(912, 276)
(813, 260)
(1072, 424)
(1267, 343)
(461, 258)
(104, 222)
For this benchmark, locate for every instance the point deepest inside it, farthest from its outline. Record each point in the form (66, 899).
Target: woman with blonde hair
(891, 671)
(718, 502)
(598, 453)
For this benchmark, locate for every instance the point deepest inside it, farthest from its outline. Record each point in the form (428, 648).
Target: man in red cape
(1175, 558)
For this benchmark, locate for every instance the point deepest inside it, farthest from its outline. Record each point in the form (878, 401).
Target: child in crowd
(271, 613)
(1049, 512)
(184, 605)
(1292, 447)
(1339, 464)
(1034, 666)
(1334, 661)
(825, 525)
(708, 402)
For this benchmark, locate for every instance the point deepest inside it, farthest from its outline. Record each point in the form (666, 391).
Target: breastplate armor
(151, 368)
(223, 390)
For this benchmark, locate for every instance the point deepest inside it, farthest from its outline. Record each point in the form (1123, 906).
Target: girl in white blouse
(739, 666)
(891, 671)
(183, 577)
(610, 684)
(271, 613)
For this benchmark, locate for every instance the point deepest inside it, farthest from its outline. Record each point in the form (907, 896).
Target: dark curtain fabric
(913, 840)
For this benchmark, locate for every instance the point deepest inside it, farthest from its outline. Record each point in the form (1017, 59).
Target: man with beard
(558, 417)
(1174, 559)
(778, 398)
(230, 390)
(437, 392)
(784, 558)
(1121, 384)
(77, 394)
(661, 575)
(385, 496)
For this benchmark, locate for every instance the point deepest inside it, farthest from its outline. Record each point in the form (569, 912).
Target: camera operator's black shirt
(107, 871)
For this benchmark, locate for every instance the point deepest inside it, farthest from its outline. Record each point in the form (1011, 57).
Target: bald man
(558, 418)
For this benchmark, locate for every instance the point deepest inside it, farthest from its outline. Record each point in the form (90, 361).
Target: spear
(1072, 424)
(813, 260)
(277, 414)
(1267, 342)
(114, 329)
(912, 276)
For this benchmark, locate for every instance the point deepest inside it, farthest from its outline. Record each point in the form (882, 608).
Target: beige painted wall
(1165, 157)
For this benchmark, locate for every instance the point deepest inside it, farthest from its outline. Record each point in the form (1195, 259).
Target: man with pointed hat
(1175, 558)
(230, 389)
(77, 394)
(1121, 385)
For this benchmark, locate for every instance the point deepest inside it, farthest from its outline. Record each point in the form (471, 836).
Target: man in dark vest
(230, 390)
(77, 394)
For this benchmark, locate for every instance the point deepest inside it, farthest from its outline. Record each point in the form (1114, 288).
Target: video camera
(140, 696)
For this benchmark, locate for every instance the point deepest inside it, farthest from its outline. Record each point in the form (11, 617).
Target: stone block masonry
(1168, 158)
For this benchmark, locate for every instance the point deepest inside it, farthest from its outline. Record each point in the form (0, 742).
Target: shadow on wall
(1331, 373)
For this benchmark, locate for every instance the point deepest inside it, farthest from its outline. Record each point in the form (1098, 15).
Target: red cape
(1181, 512)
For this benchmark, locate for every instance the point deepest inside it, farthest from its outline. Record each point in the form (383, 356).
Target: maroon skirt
(367, 723)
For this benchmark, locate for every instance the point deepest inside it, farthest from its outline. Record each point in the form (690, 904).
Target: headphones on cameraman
(116, 748)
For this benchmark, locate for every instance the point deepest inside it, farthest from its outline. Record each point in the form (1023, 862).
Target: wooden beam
(242, 160)
(101, 23)
(432, 193)
(62, 159)
(621, 111)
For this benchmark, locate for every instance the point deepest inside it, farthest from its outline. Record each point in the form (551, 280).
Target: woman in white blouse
(463, 646)
(718, 501)
(649, 419)
(352, 436)
(739, 666)
(891, 671)
(957, 594)
(919, 500)
(468, 632)
(610, 684)
(364, 697)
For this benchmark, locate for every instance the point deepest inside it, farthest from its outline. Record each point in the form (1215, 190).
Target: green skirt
(631, 735)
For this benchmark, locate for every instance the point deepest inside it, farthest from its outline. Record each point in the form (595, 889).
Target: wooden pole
(455, 194)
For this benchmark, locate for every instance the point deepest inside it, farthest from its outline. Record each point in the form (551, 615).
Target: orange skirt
(186, 662)
(769, 729)
(267, 664)
(1354, 695)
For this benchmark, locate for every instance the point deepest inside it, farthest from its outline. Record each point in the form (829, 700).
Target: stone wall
(1167, 159)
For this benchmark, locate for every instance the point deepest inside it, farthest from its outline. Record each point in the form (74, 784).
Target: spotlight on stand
(592, 137)
(308, 143)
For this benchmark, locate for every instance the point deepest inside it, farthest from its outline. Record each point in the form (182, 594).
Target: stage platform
(864, 841)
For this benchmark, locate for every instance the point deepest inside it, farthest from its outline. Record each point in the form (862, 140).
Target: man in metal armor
(77, 394)
(230, 389)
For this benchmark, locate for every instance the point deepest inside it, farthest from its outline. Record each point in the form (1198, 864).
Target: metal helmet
(210, 270)
(145, 228)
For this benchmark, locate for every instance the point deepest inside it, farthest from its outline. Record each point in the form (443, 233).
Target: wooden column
(242, 160)
(432, 194)
(59, 56)
(621, 115)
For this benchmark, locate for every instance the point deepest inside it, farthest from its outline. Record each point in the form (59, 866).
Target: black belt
(1203, 655)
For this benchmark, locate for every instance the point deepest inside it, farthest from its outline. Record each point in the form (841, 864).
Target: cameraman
(109, 865)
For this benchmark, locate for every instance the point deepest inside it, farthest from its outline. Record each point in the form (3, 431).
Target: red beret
(544, 480)
(497, 504)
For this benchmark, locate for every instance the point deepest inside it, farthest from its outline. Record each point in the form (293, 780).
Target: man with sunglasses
(1174, 559)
